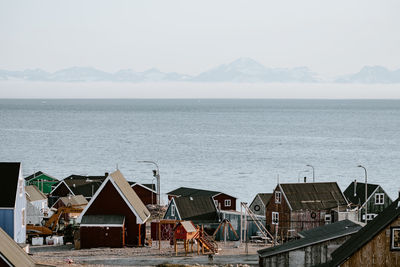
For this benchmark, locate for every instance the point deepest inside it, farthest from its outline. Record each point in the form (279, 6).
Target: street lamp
(298, 175)
(156, 174)
(313, 172)
(366, 197)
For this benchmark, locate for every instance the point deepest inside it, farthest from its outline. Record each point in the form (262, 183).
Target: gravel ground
(229, 255)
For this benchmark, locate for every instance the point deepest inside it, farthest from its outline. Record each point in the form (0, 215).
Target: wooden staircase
(206, 241)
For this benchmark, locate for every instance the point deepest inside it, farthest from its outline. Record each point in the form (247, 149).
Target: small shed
(102, 231)
(185, 230)
(12, 201)
(11, 254)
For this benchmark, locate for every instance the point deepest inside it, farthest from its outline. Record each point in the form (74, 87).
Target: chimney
(305, 179)
(355, 187)
(106, 174)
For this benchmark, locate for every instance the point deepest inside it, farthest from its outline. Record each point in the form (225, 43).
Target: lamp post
(313, 172)
(366, 197)
(156, 174)
(298, 175)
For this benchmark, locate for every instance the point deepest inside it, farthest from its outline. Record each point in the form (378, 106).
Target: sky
(330, 37)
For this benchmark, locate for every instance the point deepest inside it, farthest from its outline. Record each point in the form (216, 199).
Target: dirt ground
(230, 254)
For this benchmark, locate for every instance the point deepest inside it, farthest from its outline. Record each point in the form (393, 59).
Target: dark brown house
(146, 192)
(296, 207)
(114, 198)
(221, 200)
(376, 244)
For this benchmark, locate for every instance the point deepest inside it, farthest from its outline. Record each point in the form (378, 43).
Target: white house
(12, 201)
(36, 205)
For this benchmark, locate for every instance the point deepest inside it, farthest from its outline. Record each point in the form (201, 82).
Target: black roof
(265, 197)
(197, 208)
(36, 174)
(359, 198)
(9, 174)
(84, 185)
(314, 236)
(187, 191)
(103, 219)
(313, 196)
(367, 233)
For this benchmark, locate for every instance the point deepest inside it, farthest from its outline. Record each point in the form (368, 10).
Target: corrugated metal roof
(78, 200)
(9, 174)
(130, 195)
(102, 219)
(313, 236)
(367, 233)
(12, 252)
(313, 196)
(197, 208)
(359, 198)
(33, 193)
(188, 226)
(265, 197)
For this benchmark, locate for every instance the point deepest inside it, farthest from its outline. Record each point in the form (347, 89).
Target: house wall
(147, 196)
(284, 215)
(221, 202)
(61, 191)
(306, 256)
(376, 208)
(303, 220)
(110, 202)
(234, 219)
(92, 237)
(377, 251)
(20, 211)
(7, 221)
(257, 206)
(168, 214)
(43, 183)
(34, 212)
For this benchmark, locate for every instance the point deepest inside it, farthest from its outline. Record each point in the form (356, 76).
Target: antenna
(277, 178)
(117, 167)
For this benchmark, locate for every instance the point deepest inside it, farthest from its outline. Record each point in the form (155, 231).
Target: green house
(42, 181)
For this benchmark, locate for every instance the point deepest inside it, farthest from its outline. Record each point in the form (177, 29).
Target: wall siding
(377, 251)
(147, 196)
(221, 202)
(284, 215)
(257, 201)
(7, 221)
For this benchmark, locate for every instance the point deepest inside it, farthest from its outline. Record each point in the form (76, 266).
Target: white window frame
(393, 245)
(370, 216)
(173, 210)
(379, 199)
(278, 197)
(227, 203)
(275, 217)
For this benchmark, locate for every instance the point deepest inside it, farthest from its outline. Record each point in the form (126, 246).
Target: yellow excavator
(50, 226)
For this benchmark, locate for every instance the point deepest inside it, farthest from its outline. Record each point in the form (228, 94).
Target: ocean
(240, 147)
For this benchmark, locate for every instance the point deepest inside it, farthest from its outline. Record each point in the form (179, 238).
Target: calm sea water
(240, 147)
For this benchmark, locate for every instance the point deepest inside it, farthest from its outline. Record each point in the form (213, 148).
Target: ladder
(257, 222)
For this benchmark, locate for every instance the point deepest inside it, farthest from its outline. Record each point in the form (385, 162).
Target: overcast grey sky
(330, 37)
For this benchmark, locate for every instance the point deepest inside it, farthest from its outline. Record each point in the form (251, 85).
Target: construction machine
(51, 226)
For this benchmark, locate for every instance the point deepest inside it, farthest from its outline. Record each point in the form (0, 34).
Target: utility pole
(156, 174)
(366, 192)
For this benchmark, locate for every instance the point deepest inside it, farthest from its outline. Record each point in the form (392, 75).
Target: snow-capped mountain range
(242, 70)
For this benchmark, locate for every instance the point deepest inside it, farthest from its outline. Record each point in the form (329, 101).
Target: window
(227, 202)
(172, 210)
(328, 218)
(370, 216)
(395, 238)
(379, 198)
(275, 217)
(278, 197)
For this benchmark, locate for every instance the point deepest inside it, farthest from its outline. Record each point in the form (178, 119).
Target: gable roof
(359, 198)
(314, 236)
(37, 174)
(265, 197)
(128, 195)
(9, 174)
(366, 234)
(313, 196)
(78, 200)
(197, 208)
(188, 226)
(13, 253)
(34, 194)
(187, 191)
(150, 187)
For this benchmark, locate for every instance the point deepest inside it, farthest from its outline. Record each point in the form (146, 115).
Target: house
(11, 254)
(43, 181)
(36, 205)
(12, 201)
(199, 209)
(114, 197)
(377, 199)
(78, 201)
(146, 192)
(296, 207)
(221, 200)
(314, 247)
(259, 203)
(376, 244)
(76, 185)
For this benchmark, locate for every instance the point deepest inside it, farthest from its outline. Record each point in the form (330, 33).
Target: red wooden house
(146, 192)
(118, 206)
